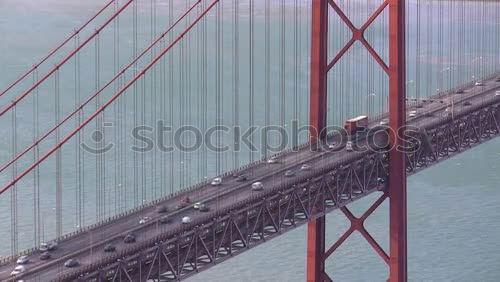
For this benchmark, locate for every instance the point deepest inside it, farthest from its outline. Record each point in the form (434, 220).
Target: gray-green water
(453, 208)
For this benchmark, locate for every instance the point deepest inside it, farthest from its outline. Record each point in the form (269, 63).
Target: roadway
(88, 246)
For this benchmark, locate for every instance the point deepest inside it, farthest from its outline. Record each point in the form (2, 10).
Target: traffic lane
(224, 201)
(430, 107)
(271, 168)
(120, 225)
(474, 92)
(438, 113)
(123, 224)
(286, 158)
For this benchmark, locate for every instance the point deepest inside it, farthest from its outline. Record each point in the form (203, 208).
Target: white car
(18, 270)
(22, 260)
(257, 186)
(384, 122)
(478, 83)
(305, 167)
(216, 181)
(412, 114)
(144, 219)
(198, 205)
(45, 247)
(272, 160)
(186, 220)
(349, 146)
(497, 93)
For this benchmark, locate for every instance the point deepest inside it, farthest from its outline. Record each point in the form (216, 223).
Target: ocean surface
(453, 208)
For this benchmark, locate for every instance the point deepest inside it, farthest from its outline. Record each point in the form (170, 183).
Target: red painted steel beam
(358, 34)
(319, 52)
(77, 31)
(317, 120)
(316, 249)
(357, 224)
(111, 100)
(397, 121)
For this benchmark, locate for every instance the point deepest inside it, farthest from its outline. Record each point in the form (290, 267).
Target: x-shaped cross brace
(358, 224)
(358, 34)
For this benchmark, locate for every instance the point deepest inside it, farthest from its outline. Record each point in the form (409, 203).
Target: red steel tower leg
(316, 249)
(397, 168)
(319, 71)
(318, 111)
(396, 192)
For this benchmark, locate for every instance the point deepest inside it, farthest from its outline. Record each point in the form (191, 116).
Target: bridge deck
(87, 247)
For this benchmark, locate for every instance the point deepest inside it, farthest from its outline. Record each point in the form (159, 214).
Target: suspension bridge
(239, 106)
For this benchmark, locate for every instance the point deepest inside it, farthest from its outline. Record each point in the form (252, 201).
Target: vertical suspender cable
(236, 86)
(57, 106)
(182, 110)
(221, 77)
(217, 89)
(163, 110)
(418, 54)
(484, 40)
(77, 144)
(136, 105)
(267, 74)
(36, 172)
(451, 28)
(153, 103)
(97, 140)
(78, 141)
(251, 69)
(122, 135)
(143, 94)
(497, 41)
(13, 192)
(429, 48)
(81, 165)
(296, 28)
(199, 105)
(116, 106)
(76, 33)
(189, 103)
(171, 97)
(282, 68)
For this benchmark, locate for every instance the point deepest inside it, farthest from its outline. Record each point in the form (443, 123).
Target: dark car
(109, 248)
(161, 209)
(71, 263)
(130, 238)
(242, 178)
(289, 173)
(45, 256)
(203, 208)
(165, 219)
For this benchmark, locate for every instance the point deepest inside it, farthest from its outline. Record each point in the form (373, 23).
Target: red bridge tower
(316, 246)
